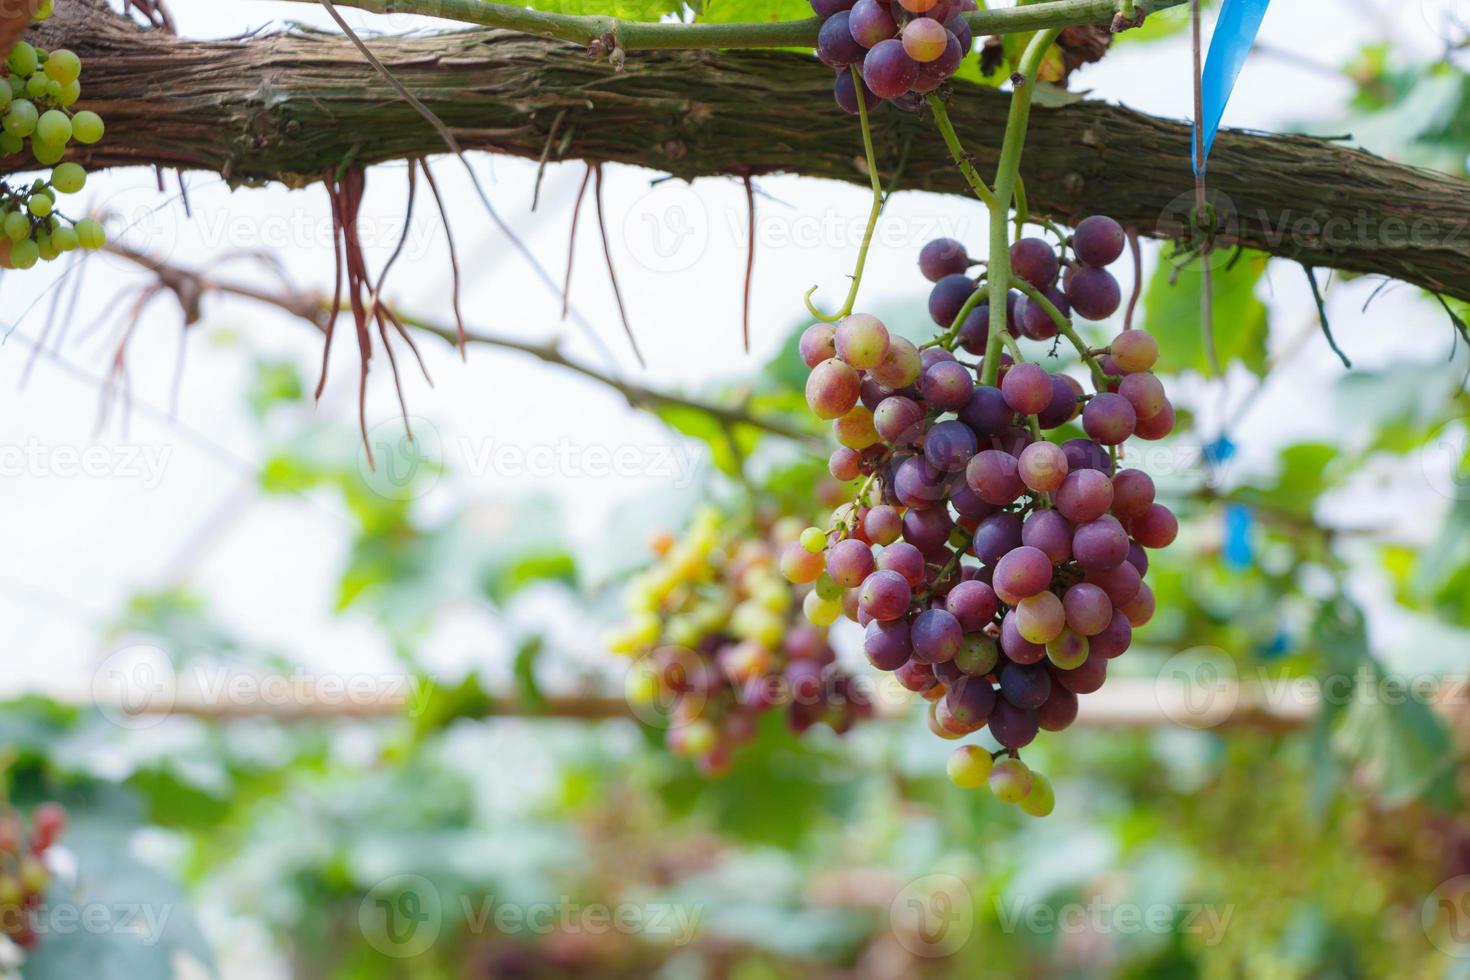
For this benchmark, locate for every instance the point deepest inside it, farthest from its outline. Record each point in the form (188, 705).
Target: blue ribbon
(1235, 31)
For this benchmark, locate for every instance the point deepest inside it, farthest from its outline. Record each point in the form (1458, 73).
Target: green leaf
(751, 11)
(553, 564)
(1171, 312)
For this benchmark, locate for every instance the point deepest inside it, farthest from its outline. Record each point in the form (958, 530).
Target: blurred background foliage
(1265, 851)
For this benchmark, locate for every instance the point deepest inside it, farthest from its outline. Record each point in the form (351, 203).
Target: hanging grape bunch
(724, 641)
(23, 875)
(37, 113)
(952, 470)
(902, 49)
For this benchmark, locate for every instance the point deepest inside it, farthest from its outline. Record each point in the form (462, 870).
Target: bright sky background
(77, 546)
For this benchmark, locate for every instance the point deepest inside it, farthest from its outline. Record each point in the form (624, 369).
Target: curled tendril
(810, 308)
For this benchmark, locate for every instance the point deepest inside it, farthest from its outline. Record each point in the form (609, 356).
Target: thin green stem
(610, 32)
(1065, 328)
(874, 211)
(949, 337)
(1007, 175)
(956, 150)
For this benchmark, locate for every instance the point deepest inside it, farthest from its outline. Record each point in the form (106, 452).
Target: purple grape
(1113, 641)
(917, 484)
(1068, 651)
(1158, 426)
(1094, 293)
(947, 385)
(960, 28)
(818, 343)
(885, 595)
(1014, 728)
(1084, 454)
(1019, 649)
(985, 411)
(871, 22)
(973, 604)
(835, 45)
(1098, 241)
(899, 420)
(844, 91)
(1027, 388)
(917, 677)
(1085, 495)
(1137, 557)
(1140, 609)
(1063, 405)
(1050, 533)
(1120, 584)
(849, 563)
(887, 644)
(1023, 572)
(1109, 418)
(927, 529)
(1089, 610)
(1059, 711)
(1133, 490)
(948, 297)
(1086, 678)
(1156, 527)
(1035, 261)
(1025, 685)
(888, 69)
(936, 636)
(997, 535)
(995, 477)
(904, 559)
(826, 8)
(844, 464)
(934, 73)
(1101, 544)
(968, 504)
(1145, 393)
(1034, 319)
(949, 446)
(1043, 466)
(832, 389)
(943, 257)
(930, 356)
(970, 701)
(883, 524)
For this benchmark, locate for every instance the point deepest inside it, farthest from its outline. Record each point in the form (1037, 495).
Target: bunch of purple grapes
(996, 572)
(903, 49)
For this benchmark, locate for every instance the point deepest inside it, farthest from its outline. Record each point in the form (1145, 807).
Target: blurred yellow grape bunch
(720, 639)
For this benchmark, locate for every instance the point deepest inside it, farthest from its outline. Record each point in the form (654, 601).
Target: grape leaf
(1171, 312)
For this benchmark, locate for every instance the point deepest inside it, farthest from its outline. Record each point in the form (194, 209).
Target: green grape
(21, 119)
(69, 178)
(25, 254)
(91, 234)
(23, 59)
(87, 126)
(814, 539)
(54, 89)
(49, 251)
(1042, 798)
(46, 153)
(969, 766)
(69, 94)
(64, 66)
(36, 86)
(17, 86)
(1010, 780)
(54, 127)
(43, 11)
(10, 143)
(40, 205)
(17, 226)
(6, 97)
(65, 239)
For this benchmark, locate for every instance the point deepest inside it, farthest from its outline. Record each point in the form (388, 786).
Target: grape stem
(950, 337)
(1065, 328)
(956, 150)
(873, 212)
(604, 35)
(1006, 178)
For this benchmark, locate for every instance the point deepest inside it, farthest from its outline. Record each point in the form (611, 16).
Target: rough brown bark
(287, 106)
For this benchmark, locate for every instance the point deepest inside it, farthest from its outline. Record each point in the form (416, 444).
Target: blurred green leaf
(1171, 312)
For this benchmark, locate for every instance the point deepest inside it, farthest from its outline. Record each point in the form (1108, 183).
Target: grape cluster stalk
(895, 50)
(38, 97)
(996, 571)
(721, 640)
(23, 874)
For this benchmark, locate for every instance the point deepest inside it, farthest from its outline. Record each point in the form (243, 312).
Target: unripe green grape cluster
(37, 112)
